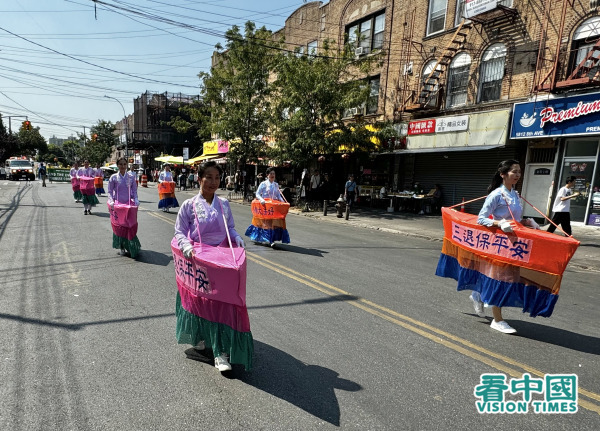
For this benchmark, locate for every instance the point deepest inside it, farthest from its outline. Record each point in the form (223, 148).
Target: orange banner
(528, 248)
(271, 209)
(166, 187)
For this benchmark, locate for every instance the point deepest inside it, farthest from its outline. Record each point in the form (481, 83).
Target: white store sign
(452, 124)
(476, 7)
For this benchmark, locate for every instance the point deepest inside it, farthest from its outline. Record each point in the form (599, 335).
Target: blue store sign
(568, 116)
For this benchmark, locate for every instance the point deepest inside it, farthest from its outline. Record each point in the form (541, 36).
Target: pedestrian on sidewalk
(350, 191)
(562, 207)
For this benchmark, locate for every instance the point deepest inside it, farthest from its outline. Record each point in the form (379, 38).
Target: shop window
(581, 148)
(436, 16)
(433, 95)
(458, 79)
(366, 35)
(584, 38)
(491, 73)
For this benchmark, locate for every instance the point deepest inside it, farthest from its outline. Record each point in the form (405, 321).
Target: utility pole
(14, 116)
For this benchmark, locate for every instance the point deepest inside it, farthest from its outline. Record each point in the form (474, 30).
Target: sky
(60, 58)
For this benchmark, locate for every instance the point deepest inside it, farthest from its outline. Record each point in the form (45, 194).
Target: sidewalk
(430, 227)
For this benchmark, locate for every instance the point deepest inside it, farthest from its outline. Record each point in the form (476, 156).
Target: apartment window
(460, 12)
(312, 48)
(458, 78)
(434, 89)
(300, 51)
(584, 38)
(492, 72)
(436, 19)
(373, 100)
(367, 34)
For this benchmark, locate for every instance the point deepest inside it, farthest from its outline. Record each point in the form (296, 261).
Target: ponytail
(503, 168)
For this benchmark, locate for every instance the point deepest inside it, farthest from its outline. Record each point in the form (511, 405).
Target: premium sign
(567, 116)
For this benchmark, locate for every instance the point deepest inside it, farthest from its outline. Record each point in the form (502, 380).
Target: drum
(272, 209)
(215, 273)
(86, 185)
(98, 183)
(75, 184)
(123, 219)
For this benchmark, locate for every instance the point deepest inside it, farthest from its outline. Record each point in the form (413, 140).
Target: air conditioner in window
(355, 111)
(361, 50)
(408, 68)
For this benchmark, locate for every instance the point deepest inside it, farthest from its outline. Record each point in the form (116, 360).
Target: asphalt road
(352, 331)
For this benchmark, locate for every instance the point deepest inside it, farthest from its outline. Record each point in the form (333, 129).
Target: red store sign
(421, 127)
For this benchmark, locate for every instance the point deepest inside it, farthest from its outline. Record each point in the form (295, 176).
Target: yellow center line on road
(477, 352)
(409, 323)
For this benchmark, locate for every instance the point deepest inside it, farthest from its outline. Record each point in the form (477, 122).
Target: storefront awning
(469, 132)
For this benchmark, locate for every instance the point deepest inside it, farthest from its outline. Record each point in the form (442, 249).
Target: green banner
(59, 175)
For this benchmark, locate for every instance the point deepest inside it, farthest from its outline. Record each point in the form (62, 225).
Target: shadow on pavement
(309, 387)
(152, 257)
(310, 301)
(299, 250)
(556, 336)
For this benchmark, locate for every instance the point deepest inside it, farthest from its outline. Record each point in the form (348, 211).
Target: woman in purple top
(122, 189)
(200, 219)
(89, 200)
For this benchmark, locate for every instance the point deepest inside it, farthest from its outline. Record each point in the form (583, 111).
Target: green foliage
(98, 150)
(71, 150)
(237, 90)
(313, 95)
(31, 141)
(193, 120)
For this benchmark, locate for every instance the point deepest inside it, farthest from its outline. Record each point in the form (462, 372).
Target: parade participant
(562, 207)
(210, 319)
(166, 192)
(85, 175)
(122, 189)
(504, 206)
(264, 228)
(99, 180)
(75, 182)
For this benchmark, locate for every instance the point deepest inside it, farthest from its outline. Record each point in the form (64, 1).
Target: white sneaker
(503, 327)
(222, 364)
(477, 303)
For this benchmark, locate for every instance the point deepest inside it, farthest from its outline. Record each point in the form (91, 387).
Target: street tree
(193, 122)
(99, 146)
(53, 154)
(237, 91)
(71, 150)
(30, 141)
(314, 96)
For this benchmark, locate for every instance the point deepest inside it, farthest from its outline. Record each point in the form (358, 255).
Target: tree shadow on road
(309, 387)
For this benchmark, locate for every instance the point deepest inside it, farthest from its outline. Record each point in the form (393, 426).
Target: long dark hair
(503, 168)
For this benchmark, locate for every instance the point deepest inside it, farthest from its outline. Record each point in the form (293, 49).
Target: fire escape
(428, 95)
(547, 73)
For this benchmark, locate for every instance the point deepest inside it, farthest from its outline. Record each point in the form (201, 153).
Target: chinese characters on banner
(192, 276)
(498, 244)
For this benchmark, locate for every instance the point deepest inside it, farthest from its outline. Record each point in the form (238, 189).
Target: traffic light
(94, 137)
(26, 125)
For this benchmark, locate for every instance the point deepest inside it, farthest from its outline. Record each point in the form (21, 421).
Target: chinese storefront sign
(452, 124)
(421, 127)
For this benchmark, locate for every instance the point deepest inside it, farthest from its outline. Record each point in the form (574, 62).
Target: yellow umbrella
(162, 159)
(203, 158)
